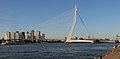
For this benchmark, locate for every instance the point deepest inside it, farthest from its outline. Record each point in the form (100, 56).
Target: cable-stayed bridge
(69, 35)
(58, 27)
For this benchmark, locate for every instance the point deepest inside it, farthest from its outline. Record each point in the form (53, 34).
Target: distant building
(27, 35)
(38, 35)
(17, 35)
(7, 35)
(32, 34)
(42, 36)
(22, 35)
(13, 35)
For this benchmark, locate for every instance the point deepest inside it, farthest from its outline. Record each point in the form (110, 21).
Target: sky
(55, 17)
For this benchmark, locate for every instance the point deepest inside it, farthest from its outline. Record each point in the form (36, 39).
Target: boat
(4, 43)
(10, 43)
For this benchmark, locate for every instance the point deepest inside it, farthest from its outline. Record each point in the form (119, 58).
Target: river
(54, 50)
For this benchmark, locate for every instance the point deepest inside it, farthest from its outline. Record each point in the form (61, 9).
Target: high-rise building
(43, 36)
(13, 35)
(22, 35)
(32, 34)
(38, 35)
(27, 35)
(7, 35)
(17, 35)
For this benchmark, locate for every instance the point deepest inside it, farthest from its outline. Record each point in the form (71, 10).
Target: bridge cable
(83, 24)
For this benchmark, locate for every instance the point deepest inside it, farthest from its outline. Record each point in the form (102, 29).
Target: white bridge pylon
(73, 26)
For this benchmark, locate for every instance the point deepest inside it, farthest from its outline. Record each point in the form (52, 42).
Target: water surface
(54, 50)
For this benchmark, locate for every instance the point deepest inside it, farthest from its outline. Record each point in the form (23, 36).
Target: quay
(113, 54)
(54, 41)
(18, 41)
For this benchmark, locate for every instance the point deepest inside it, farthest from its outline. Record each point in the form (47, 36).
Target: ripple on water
(53, 51)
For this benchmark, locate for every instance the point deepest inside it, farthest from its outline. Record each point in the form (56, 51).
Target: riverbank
(111, 54)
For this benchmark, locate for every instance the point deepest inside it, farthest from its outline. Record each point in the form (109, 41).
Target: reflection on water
(54, 51)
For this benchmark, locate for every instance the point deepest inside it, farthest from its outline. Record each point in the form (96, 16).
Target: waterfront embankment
(111, 54)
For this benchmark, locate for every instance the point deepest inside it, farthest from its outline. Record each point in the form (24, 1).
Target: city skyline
(101, 17)
(28, 35)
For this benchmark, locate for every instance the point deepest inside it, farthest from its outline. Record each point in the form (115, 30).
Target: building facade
(22, 35)
(38, 35)
(17, 35)
(32, 34)
(7, 35)
(13, 35)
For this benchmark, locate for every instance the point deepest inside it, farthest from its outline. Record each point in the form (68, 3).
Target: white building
(17, 35)
(13, 35)
(7, 35)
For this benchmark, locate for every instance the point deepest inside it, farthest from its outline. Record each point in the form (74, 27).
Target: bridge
(68, 40)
